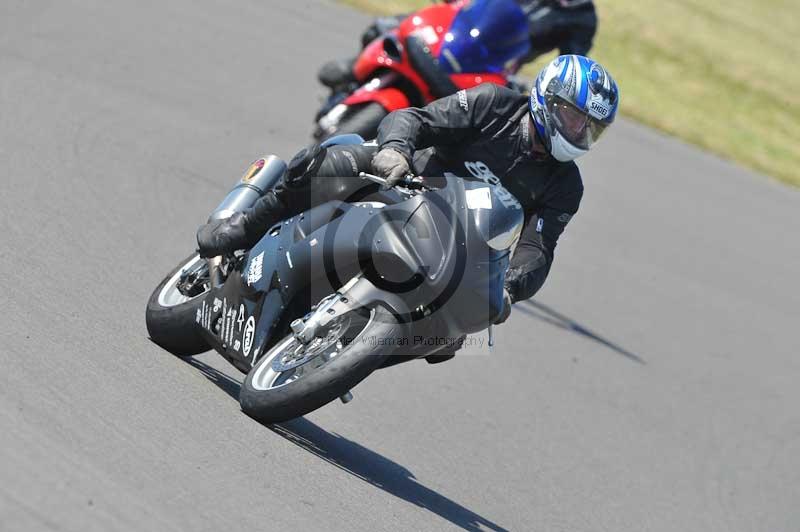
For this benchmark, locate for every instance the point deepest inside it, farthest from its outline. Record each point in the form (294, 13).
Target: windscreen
(484, 37)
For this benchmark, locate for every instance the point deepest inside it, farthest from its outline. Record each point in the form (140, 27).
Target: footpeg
(297, 326)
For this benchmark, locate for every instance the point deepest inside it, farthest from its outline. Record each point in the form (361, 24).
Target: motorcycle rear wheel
(171, 315)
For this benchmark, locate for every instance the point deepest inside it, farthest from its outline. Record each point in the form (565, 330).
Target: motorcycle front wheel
(293, 379)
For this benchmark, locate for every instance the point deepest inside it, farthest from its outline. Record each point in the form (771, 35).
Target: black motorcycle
(328, 296)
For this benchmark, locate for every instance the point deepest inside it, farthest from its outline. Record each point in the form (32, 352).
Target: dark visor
(577, 127)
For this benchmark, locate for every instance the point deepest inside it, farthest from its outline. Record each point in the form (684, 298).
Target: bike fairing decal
(253, 170)
(231, 327)
(228, 320)
(479, 198)
(224, 319)
(239, 322)
(206, 312)
(206, 316)
(255, 269)
(248, 335)
(233, 321)
(482, 171)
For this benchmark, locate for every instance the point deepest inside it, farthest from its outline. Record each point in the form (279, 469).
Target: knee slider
(304, 165)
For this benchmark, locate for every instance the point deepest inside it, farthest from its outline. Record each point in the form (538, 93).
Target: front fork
(339, 304)
(215, 271)
(305, 330)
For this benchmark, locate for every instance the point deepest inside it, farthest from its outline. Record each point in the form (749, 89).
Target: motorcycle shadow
(359, 461)
(542, 312)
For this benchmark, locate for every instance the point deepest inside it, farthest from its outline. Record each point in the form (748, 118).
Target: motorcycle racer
(527, 144)
(566, 25)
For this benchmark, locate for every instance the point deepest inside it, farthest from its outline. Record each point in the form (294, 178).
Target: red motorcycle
(433, 53)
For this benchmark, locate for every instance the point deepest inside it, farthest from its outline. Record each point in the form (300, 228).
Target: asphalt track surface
(652, 384)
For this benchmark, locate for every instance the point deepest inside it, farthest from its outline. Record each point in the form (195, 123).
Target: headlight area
(498, 222)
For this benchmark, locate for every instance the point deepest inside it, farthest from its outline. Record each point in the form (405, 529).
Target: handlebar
(410, 182)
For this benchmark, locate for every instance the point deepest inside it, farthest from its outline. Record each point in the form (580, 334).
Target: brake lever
(409, 182)
(375, 179)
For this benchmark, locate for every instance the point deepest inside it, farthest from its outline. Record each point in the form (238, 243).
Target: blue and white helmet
(572, 102)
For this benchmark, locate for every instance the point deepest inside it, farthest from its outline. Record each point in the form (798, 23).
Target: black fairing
(424, 256)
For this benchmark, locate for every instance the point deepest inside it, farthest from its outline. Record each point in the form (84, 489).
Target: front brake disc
(310, 351)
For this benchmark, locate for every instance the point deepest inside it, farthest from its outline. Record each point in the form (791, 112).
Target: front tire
(171, 315)
(272, 396)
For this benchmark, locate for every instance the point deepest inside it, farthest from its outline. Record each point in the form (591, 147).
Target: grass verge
(717, 73)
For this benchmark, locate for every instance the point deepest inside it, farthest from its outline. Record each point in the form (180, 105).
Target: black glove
(506, 308)
(390, 164)
(223, 236)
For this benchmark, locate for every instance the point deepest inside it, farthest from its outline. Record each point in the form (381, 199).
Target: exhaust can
(256, 181)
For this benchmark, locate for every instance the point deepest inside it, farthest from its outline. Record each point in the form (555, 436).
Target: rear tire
(363, 355)
(171, 322)
(362, 120)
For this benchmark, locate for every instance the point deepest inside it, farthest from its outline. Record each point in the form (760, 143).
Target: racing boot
(243, 229)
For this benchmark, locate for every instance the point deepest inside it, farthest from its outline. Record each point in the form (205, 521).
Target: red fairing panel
(431, 24)
(372, 58)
